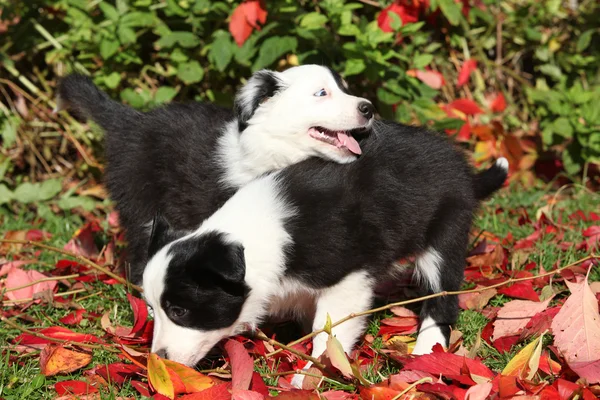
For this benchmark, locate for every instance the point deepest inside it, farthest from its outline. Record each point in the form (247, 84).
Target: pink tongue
(349, 142)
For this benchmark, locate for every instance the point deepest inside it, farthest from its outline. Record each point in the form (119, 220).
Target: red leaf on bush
(73, 387)
(464, 134)
(498, 104)
(408, 13)
(74, 318)
(465, 106)
(241, 365)
(245, 18)
(432, 79)
(520, 290)
(467, 68)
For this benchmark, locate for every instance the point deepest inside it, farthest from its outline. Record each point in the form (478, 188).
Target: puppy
(315, 238)
(186, 160)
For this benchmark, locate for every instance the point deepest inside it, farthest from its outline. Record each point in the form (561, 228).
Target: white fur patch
(428, 269)
(429, 334)
(502, 163)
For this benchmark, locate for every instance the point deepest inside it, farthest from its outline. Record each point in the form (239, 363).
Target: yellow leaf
(525, 364)
(338, 356)
(159, 376)
(193, 380)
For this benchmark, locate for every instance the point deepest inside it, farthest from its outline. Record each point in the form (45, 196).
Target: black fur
(267, 85)
(160, 160)
(339, 81)
(205, 286)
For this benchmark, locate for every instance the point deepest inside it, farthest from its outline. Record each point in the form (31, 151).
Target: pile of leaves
(534, 329)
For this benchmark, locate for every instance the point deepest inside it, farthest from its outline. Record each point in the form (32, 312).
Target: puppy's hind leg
(353, 294)
(441, 268)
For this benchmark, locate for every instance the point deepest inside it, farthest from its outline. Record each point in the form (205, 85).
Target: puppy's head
(305, 111)
(195, 285)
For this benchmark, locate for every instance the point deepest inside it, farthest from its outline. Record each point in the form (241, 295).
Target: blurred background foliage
(518, 78)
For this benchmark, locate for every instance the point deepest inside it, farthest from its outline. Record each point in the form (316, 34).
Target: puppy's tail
(78, 94)
(487, 182)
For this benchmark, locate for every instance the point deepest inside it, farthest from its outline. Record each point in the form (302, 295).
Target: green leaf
(184, 39)
(49, 188)
(138, 19)
(9, 134)
(190, 72)
(571, 158)
(422, 60)
(451, 10)
(221, 51)
(562, 127)
(6, 194)
(584, 40)
(412, 28)
(108, 47)
(69, 203)
(165, 94)
(387, 97)
(112, 80)
(354, 67)
(551, 70)
(349, 30)
(126, 35)
(132, 98)
(272, 49)
(27, 192)
(313, 20)
(109, 11)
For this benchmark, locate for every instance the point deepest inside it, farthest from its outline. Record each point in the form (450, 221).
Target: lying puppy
(314, 239)
(186, 160)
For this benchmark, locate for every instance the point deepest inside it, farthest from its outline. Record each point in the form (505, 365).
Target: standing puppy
(314, 239)
(186, 160)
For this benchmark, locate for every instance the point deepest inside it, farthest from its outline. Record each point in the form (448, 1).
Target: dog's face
(306, 109)
(195, 285)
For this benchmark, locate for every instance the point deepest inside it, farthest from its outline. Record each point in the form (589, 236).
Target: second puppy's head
(302, 112)
(196, 288)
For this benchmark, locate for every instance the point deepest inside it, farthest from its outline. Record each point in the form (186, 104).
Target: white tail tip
(502, 163)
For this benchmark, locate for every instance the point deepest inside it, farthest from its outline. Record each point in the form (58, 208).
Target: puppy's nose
(162, 353)
(366, 109)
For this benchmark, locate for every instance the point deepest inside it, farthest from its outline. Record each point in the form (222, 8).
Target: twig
(49, 279)
(432, 296)
(51, 339)
(371, 3)
(79, 258)
(274, 342)
(9, 303)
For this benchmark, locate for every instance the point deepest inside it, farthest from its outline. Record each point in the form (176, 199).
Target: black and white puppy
(315, 238)
(186, 160)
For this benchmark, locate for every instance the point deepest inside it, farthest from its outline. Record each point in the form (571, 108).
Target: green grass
(23, 380)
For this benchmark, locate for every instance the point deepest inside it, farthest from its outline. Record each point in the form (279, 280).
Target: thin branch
(432, 296)
(49, 279)
(8, 303)
(51, 339)
(371, 3)
(306, 357)
(79, 258)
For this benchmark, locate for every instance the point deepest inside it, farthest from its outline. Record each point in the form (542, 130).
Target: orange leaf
(244, 20)
(466, 106)
(193, 380)
(55, 359)
(159, 378)
(467, 68)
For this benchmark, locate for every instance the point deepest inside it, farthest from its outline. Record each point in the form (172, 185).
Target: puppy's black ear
(260, 87)
(162, 234)
(216, 256)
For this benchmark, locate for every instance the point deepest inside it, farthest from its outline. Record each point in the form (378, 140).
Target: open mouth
(339, 139)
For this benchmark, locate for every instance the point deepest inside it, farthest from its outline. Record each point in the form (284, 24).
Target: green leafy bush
(522, 71)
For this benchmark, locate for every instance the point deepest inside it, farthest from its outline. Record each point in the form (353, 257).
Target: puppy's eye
(178, 311)
(321, 93)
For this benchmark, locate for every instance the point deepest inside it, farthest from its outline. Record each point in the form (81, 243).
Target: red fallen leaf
(377, 393)
(520, 290)
(246, 395)
(407, 13)
(507, 386)
(73, 387)
(338, 395)
(549, 393)
(515, 315)
(479, 391)
(74, 318)
(141, 387)
(505, 343)
(540, 322)
(244, 20)
(17, 277)
(433, 79)
(6, 268)
(498, 104)
(118, 372)
(113, 219)
(400, 322)
(298, 395)
(593, 235)
(218, 392)
(466, 106)
(449, 365)
(258, 385)
(37, 235)
(576, 330)
(241, 365)
(565, 388)
(549, 366)
(467, 68)
(475, 301)
(140, 313)
(55, 332)
(55, 359)
(82, 243)
(410, 376)
(191, 380)
(443, 391)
